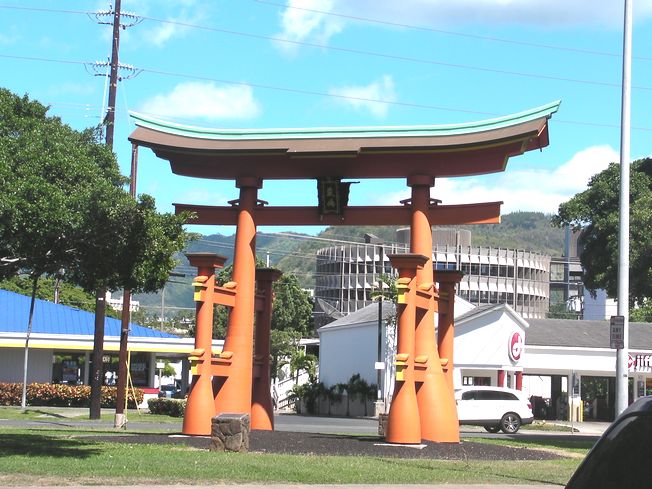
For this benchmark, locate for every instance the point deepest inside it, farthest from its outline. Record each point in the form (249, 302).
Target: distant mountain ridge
(294, 253)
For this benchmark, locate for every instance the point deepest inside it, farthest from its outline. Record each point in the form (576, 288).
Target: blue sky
(302, 63)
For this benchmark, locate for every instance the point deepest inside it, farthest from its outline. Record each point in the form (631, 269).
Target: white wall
(484, 341)
(600, 308)
(561, 361)
(39, 366)
(344, 352)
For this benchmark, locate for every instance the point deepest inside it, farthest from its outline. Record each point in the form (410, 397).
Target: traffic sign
(617, 332)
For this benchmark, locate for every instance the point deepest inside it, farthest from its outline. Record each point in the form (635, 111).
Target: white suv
(495, 408)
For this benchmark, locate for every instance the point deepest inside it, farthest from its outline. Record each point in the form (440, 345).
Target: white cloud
(539, 190)
(303, 21)
(203, 196)
(204, 100)
(71, 88)
(172, 13)
(10, 36)
(372, 97)
(444, 13)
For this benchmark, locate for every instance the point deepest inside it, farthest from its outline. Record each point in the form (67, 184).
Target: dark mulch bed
(327, 444)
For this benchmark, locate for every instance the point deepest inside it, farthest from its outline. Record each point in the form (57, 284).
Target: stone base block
(230, 432)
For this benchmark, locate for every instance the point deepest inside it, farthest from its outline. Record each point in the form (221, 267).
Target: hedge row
(171, 407)
(61, 395)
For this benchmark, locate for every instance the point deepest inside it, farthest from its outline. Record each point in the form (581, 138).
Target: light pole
(622, 377)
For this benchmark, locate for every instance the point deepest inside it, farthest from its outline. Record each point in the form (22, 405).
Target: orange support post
(199, 407)
(436, 401)
(262, 409)
(403, 420)
(447, 279)
(233, 392)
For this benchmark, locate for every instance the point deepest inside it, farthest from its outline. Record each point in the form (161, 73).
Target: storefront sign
(515, 347)
(639, 363)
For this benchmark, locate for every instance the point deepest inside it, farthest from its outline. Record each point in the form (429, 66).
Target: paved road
(307, 424)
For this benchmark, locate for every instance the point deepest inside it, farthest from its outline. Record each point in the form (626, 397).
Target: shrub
(171, 407)
(62, 395)
(309, 394)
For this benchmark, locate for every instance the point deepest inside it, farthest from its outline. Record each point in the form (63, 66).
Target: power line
(452, 33)
(391, 56)
(351, 17)
(388, 56)
(322, 94)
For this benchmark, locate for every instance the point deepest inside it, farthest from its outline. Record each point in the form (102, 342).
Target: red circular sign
(516, 344)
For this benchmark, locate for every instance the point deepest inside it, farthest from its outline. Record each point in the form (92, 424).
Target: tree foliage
(64, 205)
(283, 344)
(69, 294)
(48, 172)
(595, 210)
(292, 307)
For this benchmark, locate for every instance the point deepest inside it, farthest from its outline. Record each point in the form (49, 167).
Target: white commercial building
(559, 362)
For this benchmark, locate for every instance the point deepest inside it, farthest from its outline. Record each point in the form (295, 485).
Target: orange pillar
(403, 419)
(437, 409)
(199, 406)
(447, 279)
(233, 393)
(262, 409)
(519, 381)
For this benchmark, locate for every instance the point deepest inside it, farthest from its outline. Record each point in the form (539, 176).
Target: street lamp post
(622, 376)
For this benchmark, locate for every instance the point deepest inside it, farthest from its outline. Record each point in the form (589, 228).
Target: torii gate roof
(345, 152)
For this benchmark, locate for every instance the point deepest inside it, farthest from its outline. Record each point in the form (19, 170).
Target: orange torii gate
(236, 379)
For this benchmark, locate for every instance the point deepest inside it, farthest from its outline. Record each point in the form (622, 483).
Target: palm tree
(299, 361)
(333, 395)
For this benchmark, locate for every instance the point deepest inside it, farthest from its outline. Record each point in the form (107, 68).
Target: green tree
(300, 361)
(595, 210)
(48, 172)
(63, 206)
(292, 307)
(642, 313)
(69, 294)
(282, 346)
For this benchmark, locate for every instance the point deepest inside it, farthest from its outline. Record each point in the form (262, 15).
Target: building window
(67, 368)
(556, 272)
(468, 380)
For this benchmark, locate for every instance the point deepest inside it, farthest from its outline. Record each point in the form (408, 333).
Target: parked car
(171, 391)
(495, 408)
(621, 456)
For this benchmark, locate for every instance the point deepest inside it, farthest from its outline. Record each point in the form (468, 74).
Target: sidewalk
(586, 427)
(306, 486)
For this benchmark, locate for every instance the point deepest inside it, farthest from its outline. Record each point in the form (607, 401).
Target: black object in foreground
(621, 457)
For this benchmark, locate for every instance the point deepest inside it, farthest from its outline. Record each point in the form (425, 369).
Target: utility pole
(120, 419)
(100, 296)
(622, 354)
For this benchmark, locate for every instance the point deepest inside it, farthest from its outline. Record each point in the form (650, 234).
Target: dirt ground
(328, 444)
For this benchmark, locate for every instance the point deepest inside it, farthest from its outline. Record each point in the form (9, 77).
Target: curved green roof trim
(345, 132)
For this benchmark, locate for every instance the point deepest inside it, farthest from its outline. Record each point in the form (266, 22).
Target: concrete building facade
(348, 275)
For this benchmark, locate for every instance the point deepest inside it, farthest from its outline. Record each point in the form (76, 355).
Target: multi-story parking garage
(348, 274)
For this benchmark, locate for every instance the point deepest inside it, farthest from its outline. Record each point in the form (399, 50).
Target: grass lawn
(81, 414)
(58, 456)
